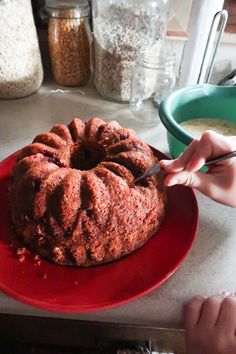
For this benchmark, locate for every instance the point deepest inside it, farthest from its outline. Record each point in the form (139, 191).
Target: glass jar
(21, 71)
(69, 40)
(153, 79)
(121, 28)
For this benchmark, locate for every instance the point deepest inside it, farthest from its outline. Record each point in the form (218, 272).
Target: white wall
(225, 60)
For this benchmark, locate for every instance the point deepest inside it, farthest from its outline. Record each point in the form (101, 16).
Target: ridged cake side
(72, 197)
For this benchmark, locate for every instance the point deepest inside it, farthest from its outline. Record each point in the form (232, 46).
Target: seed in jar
(118, 36)
(69, 46)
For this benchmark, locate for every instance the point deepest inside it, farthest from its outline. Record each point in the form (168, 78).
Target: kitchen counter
(210, 266)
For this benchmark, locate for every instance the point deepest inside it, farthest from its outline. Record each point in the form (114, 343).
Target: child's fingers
(196, 162)
(227, 317)
(180, 163)
(192, 311)
(210, 311)
(210, 184)
(194, 180)
(210, 145)
(195, 155)
(202, 152)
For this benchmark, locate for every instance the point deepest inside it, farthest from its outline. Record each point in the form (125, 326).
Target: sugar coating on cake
(72, 194)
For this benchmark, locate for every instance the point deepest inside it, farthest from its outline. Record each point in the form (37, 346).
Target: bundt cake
(72, 196)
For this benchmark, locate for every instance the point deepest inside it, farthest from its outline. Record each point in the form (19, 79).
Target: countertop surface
(210, 266)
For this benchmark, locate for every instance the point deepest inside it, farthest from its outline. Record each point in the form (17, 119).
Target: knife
(155, 169)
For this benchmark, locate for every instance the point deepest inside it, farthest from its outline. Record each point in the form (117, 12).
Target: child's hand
(210, 325)
(219, 183)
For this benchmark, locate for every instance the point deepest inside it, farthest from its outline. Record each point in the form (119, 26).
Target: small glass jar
(153, 79)
(69, 38)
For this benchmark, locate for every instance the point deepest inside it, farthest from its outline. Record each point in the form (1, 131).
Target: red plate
(65, 289)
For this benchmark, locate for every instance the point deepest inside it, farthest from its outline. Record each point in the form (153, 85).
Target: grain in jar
(69, 42)
(121, 29)
(21, 71)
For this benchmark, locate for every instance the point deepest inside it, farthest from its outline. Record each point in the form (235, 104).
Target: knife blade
(155, 168)
(152, 171)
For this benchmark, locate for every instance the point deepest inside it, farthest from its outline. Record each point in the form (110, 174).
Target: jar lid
(68, 8)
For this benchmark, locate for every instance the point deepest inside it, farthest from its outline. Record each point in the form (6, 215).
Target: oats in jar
(121, 30)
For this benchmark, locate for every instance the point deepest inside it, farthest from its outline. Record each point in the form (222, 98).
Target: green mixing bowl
(198, 101)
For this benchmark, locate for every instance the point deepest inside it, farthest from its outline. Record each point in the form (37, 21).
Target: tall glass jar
(69, 40)
(21, 71)
(153, 80)
(121, 28)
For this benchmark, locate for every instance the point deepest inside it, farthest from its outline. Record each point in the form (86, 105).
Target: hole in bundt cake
(87, 156)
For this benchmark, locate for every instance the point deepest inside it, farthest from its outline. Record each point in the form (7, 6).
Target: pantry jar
(153, 80)
(69, 40)
(121, 28)
(21, 71)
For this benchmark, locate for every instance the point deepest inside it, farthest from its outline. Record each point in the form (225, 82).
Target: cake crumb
(21, 258)
(21, 251)
(37, 260)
